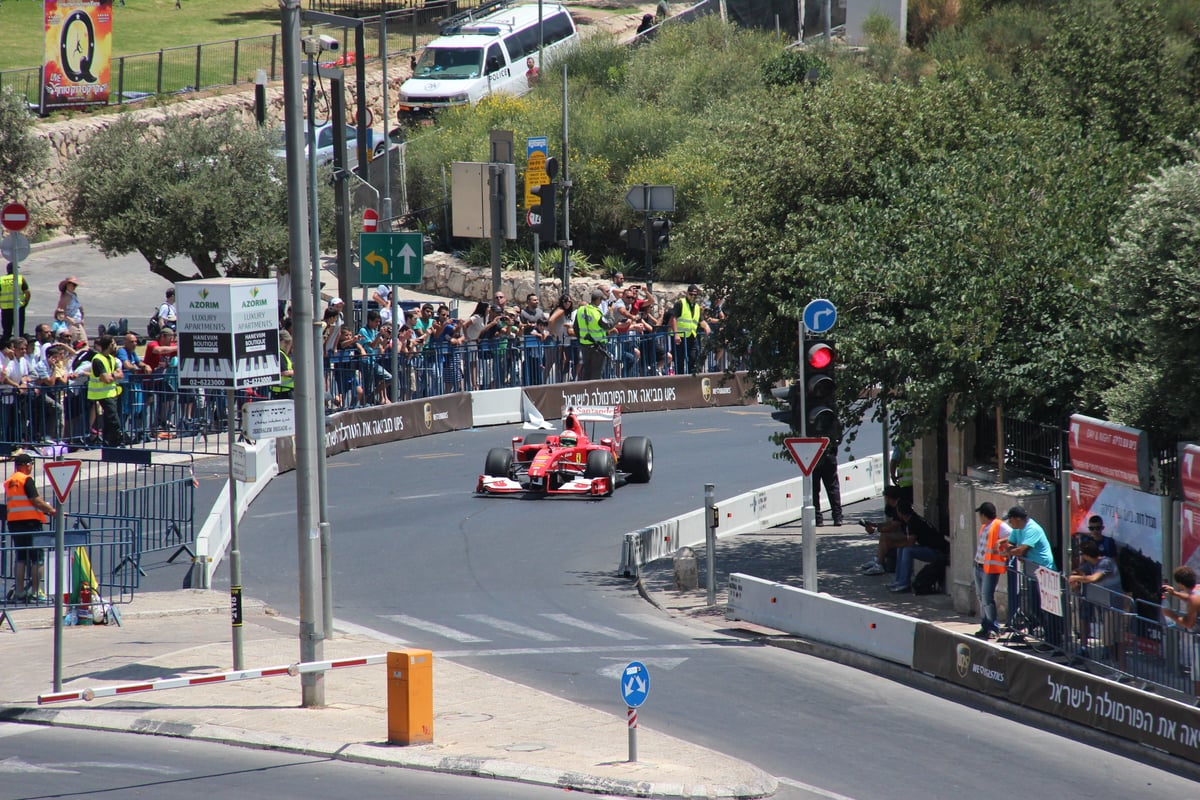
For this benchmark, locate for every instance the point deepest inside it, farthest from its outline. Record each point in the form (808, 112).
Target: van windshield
(450, 63)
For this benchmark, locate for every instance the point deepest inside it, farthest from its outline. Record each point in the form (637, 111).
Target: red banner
(78, 53)
(1189, 472)
(1110, 451)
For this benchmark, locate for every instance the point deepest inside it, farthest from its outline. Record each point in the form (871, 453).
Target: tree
(207, 190)
(1152, 286)
(21, 152)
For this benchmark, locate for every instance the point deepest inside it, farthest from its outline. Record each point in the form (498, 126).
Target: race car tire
(637, 458)
(498, 463)
(600, 465)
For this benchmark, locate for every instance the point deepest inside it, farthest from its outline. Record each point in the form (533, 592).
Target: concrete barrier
(496, 406)
(777, 504)
(213, 537)
(822, 618)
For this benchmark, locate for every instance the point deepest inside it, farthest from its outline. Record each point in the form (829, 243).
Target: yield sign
(62, 476)
(806, 452)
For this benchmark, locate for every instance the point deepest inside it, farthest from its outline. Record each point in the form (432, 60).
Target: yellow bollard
(410, 696)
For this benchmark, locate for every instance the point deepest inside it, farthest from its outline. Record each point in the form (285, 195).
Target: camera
(315, 45)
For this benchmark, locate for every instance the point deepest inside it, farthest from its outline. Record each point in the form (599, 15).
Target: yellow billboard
(78, 62)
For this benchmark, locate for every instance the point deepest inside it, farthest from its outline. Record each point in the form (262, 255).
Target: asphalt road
(528, 590)
(43, 762)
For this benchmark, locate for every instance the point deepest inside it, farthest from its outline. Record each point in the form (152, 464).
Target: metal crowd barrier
(103, 548)
(1106, 631)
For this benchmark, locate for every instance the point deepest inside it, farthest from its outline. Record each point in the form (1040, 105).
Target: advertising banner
(1133, 518)
(228, 333)
(963, 660)
(1189, 472)
(1110, 451)
(642, 394)
(1107, 706)
(1189, 535)
(78, 53)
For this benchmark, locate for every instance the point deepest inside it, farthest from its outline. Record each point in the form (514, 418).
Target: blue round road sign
(819, 315)
(635, 684)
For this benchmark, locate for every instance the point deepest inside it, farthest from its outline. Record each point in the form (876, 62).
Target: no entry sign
(14, 217)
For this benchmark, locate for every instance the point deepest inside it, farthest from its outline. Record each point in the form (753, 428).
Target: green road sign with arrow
(391, 258)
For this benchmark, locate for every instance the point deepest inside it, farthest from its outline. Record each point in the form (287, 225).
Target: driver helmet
(568, 439)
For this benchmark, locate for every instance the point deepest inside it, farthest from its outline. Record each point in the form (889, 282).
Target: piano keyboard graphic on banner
(207, 359)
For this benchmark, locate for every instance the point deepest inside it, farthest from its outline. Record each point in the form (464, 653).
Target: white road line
(658, 621)
(819, 792)
(569, 650)
(362, 630)
(603, 630)
(433, 627)
(512, 627)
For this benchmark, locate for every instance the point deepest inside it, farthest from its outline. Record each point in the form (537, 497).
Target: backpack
(931, 579)
(154, 326)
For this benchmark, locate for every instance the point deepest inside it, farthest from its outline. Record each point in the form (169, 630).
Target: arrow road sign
(819, 315)
(62, 476)
(391, 258)
(14, 216)
(806, 452)
(645, 197)
(635, 684)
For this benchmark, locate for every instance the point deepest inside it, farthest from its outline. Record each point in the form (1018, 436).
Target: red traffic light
(820, 356)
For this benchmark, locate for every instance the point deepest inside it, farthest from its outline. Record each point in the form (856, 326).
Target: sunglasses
(1095, 527)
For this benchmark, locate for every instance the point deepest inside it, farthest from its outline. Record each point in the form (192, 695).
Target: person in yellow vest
(989, 566)
(287, 375)
(9, 313)
(27, 513)
(592, 330)
(686, 323)
(104, 387)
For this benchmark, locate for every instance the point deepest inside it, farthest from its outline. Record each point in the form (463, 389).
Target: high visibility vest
(689, 320)
(98, 389)
(20, 507)
(989, 555)
(6, 291)
(904, 471)
(286, 382)
(587, 325)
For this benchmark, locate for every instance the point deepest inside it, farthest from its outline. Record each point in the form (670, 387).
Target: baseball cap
(986, 508)
(337, 301)
(1018, 512)
(22, 459)
(693, 288)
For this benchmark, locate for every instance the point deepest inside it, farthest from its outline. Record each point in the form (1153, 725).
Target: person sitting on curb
(922, 541)
(891, 532)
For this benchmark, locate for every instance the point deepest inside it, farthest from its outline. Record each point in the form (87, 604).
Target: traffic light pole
(808, 514)
(648, 234)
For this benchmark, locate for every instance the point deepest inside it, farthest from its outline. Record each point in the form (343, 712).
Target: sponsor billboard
(1109, 451)
(78, 53)
(960, 659)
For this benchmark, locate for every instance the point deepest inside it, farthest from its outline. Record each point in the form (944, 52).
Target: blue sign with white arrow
(819, 315)
(635, 684)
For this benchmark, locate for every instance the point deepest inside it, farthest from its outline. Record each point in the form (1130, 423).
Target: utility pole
(566, 187)
(312, 684)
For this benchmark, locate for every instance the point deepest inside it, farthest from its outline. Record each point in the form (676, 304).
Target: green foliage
(209, 190)
(21, 153)
(1152, 288)
(792, 67)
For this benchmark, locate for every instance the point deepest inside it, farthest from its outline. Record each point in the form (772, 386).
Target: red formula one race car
(571, 462)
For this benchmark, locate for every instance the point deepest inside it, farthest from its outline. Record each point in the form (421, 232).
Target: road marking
(433, 627)
(603, 630)
(706, 430)
(422, 456)
(362, 630)
(658, 621)
(617, 669)
(512, 627)
(576, 650)
(819, 792)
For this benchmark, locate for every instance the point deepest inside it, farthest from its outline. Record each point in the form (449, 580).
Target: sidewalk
(483, 725)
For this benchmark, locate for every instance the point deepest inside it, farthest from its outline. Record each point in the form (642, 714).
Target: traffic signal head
(819, 380)
(634, 240)
(660, 233)
(546, 225)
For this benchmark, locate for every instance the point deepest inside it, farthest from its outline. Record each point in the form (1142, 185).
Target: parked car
(375, 141)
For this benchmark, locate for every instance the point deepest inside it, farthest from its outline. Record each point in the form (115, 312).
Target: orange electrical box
(410, 696)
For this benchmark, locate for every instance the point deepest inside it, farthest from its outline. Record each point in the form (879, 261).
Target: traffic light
(819, 380)
(660, 233)
(547, 226)
(634, 240)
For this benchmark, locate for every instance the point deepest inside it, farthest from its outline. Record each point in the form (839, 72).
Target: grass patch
(140, 26)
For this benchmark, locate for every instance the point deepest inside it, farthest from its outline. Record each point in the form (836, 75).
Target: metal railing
(1104, 631)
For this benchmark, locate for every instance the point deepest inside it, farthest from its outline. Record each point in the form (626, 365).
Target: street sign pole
(235, 552)
(635, 688)
(808, 514)
(60, 535)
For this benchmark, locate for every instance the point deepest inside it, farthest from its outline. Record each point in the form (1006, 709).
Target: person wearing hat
(989, 566)
(1027, 541)
(71, 308)
(686, 323)
(104, 387)
(9, 312)
(26, 514)
(592, 331)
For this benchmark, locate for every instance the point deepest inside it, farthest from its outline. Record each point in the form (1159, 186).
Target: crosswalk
(540, 630)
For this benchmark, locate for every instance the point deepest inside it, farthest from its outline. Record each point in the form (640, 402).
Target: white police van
(475, 57)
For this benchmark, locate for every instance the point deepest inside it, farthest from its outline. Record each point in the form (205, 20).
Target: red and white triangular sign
(62, 476)
(807, 452)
